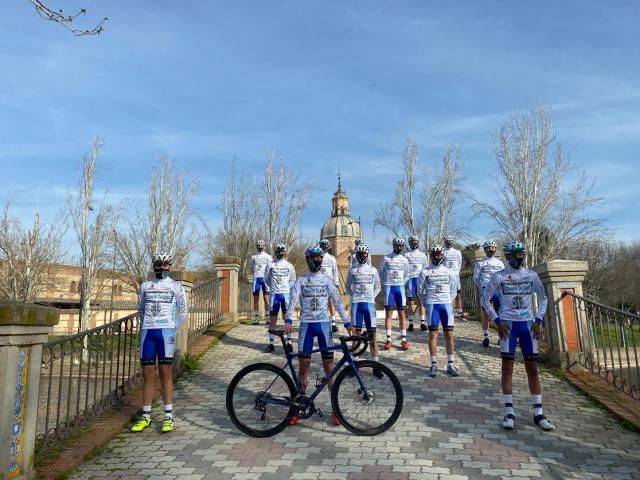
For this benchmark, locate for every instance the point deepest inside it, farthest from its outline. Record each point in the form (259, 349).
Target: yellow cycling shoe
(141, 424)
(167, 424)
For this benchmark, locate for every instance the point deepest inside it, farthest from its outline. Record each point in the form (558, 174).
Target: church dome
(341, 226)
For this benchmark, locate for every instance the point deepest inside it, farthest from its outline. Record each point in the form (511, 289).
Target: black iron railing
(204, 306)
(245, 298)
(470, 295)
(608, 343)
(85, 373)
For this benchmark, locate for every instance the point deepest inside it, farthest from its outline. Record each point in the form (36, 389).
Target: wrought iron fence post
(23, 330)
(566, 332)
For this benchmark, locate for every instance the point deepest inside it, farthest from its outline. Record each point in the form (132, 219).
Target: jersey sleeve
(336, 280)
(348, 282)
(422, 287)
(377, 286)
(453, 284)
(181, 305)
(494, 283)
(476, 274)
(141, 302)
(383, 266)
(267, 276)
(292, 275)
(541, 295)
(337, 302)
(293, 300)
(460, 260)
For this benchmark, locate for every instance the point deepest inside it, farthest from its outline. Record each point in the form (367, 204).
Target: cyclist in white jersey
(417, 262)
(363, 284)
(453, 260)
(330, 269)
(394, 271)
(518, 323)
(279, 277)
(437, 287)
(162, 309)
(313, 290)
(353, 261)
(482, 272)
(259, 263)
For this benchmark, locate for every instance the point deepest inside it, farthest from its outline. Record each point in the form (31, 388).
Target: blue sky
(320, 83)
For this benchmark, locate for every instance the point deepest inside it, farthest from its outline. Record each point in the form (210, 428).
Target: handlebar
(360, 342)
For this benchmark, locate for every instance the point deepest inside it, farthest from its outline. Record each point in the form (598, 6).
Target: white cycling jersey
(453, 259)
(394, 269)
(353, 261)
(417, 262)
(363, 283)
(279, 276)
(437, 284)
(330, 267)
(259, 263)
(515, 288)
(484, 269)
(162, 304)
(313, 290)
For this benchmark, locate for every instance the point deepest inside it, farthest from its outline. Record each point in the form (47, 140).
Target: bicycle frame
(346, 359)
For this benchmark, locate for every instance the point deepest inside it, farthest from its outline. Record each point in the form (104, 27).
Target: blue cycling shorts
(440, 313)
(258, 284)
(364, 311)
(311, 330)
(157, 343)
(278, 302)
(519, 332)
(412, 288)
(394, 297)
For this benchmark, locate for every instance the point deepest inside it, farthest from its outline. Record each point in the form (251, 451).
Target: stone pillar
(563, 323)
(23, 330)
(228, 268)
(182, 335)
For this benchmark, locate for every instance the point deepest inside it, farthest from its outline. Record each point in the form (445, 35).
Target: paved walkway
(449, 428)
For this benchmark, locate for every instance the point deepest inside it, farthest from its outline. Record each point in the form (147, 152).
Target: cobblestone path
(449, 429)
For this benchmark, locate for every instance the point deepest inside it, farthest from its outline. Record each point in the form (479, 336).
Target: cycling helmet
(436, 253)
(448, 240)
(324, 244)
(510, 251)
(311, 255)
(358, 241)
(398, 244)
(362, 253)
(489, 248)
(413, 242)
(260, 244)
(281, 250)
(163, 257)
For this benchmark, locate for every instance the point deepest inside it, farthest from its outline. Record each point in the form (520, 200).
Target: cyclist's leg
(305, 346)
(411, 303)
(166, 352)
(458, 300)
(434, 323)
(401, 305)
(356, 315)
(370, 322)
(255, 288)
(148, 355)
(325, 340)
(507, 352)
(274, 307)
(388, 313)
(265, 298)
(422, 313)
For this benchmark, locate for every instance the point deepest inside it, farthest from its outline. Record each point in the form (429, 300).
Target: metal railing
(470, 295)
(608, 342)
(84, 374)
(204, 306)
(245, 298)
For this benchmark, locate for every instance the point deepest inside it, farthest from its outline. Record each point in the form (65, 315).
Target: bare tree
(424, 203)
(27, 254)
(162, 227)
(531, 204)
(65, 20)
(93, 233)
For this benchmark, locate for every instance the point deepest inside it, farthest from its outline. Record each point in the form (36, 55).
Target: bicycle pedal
(319, 412)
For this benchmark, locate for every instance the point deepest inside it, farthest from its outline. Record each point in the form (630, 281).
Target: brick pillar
(23, 330)
(228, 268)
(563, 323)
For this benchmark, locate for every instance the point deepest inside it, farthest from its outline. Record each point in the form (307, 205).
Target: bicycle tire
(342, 392)
(268, 375)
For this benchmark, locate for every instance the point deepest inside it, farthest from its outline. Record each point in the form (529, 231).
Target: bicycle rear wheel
(258, 399)
(383, 407)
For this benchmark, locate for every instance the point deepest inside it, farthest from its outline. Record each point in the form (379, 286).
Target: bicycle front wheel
(375, 412)
(259, 399)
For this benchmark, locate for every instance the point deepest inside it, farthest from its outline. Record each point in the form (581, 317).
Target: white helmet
(163, 257)
(489, 243)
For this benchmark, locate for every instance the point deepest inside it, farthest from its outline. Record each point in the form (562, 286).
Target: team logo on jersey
(517, 288)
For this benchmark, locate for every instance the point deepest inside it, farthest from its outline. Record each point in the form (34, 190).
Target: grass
(191, 363)
(610, 336)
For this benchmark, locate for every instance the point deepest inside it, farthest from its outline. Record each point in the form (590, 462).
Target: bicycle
(262, 397)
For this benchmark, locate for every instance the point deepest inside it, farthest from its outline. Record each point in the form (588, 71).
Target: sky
(319, 84)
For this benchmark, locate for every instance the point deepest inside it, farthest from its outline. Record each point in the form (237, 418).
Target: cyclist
(363, 284)
(394, 270)
(279, 277)
(313, 290)
(437, 286)
(453, 260)
(417, 262)
(482, 272)
(330, 269)
(353, 261)
(518, 322)
(259, 263)
(162, 308)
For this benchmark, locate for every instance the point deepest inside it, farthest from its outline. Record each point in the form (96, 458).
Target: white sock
(288, 338)
(403, 334)
(146, 411)
(485, 332)
(423, 319)
(450, 359)
(508, 404)
(537, 404)
(272, 338)
(168, 410)
(434, 360)
(411, 319)
(388, 334)
(376, 358)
